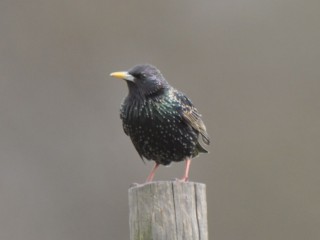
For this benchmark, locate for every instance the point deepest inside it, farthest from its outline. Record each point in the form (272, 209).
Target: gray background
(252, 68)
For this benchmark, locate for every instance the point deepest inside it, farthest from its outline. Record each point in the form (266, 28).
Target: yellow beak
(122, 75)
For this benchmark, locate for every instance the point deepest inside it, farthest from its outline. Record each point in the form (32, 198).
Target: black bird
(162, 122)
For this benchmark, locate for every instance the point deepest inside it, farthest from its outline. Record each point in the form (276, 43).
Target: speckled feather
(162, 122)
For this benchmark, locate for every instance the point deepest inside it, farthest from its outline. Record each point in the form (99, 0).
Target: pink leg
(151, 175)
(186, 172)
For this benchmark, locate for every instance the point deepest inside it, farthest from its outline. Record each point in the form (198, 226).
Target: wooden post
(168, 210)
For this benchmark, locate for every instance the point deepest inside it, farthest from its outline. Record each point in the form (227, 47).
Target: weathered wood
(168, 210)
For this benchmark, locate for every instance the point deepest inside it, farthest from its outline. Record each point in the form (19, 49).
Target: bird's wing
(192, 117)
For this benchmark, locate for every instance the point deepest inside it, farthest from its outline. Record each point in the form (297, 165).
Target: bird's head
(143, 80)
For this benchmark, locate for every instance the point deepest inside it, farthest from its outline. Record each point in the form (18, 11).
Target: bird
(163, 124)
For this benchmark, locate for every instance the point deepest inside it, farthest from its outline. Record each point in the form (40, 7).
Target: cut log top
(170, 210)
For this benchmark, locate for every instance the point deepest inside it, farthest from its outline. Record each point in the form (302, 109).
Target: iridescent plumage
(162, 122)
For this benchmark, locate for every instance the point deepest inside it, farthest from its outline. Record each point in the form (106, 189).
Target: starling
(161, 121)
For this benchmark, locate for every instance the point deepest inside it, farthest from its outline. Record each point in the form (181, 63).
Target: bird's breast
(157, 130)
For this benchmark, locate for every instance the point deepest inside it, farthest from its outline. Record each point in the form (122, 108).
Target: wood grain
(168, 210)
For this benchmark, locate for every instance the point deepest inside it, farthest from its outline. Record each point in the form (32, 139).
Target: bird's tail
(199, 149)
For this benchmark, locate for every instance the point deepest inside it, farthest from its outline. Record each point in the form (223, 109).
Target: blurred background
(252, 68)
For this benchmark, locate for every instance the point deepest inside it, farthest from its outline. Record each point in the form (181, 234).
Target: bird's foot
(184, 179)
(135, 185)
